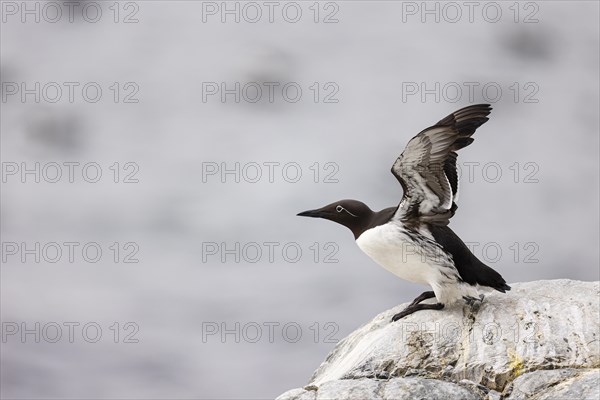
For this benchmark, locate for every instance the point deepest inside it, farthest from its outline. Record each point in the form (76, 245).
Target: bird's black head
(350, 213)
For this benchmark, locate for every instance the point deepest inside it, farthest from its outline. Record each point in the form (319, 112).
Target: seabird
(413, 240)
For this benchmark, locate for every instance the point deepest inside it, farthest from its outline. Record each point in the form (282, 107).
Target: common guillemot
(413, 240)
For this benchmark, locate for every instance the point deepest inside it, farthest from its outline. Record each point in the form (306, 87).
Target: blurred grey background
(361, 61)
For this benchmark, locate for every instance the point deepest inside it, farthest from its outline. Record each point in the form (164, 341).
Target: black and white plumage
(413, 240)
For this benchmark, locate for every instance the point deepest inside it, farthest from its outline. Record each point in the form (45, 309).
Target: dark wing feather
(426, 169)
(452, 173)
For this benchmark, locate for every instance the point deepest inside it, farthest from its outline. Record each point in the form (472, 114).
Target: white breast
(389, 246)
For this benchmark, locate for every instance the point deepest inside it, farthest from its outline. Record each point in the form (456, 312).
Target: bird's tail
(487, 276)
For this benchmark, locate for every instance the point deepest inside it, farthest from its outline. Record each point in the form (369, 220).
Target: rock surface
(540, 341)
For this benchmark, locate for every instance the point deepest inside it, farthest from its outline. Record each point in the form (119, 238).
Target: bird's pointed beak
(312, 213)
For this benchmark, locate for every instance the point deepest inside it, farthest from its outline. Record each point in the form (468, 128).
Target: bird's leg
(412, 306)
(417, 307)
(471, 300)
(421, 297)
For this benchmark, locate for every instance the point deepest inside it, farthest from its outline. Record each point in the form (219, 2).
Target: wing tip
(475, 113)
(503, 288)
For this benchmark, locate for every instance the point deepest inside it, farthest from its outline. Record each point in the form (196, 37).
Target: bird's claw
(401, 314)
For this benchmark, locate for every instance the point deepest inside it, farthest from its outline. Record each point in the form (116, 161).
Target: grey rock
(493, 395)
(350, 389)
(298, 394)
(393, 389)
(556, 384)
(420, 388)
(546, 327)
(534, 382)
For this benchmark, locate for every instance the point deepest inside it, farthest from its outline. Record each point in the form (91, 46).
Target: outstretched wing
(427, 170)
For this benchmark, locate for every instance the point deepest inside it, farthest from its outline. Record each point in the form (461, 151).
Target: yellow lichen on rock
(516, 365)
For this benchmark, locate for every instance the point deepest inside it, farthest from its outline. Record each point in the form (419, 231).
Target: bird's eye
(339, 208)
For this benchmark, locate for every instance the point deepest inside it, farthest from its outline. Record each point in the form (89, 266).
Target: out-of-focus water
(529, 189)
